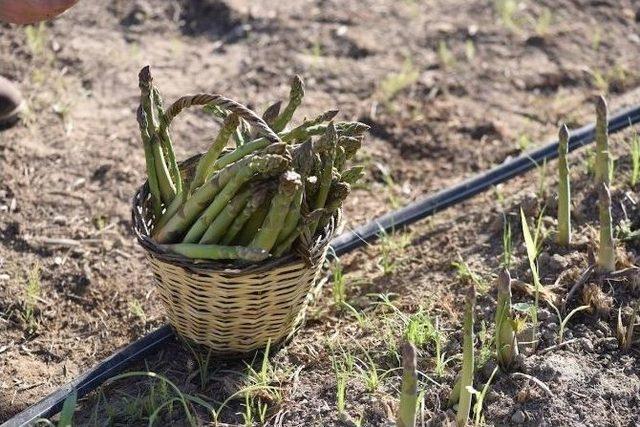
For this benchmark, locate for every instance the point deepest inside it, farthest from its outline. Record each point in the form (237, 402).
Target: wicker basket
(228, 309)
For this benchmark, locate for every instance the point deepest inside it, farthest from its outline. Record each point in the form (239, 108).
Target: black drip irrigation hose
(342, 244)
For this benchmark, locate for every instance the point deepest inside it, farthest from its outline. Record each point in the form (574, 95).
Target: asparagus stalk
(167, 144)
(352, 175)
(603, 159)
(219, 226)
(257, 199)
(203, 169)
(311, 187)
(301, 228)
(273, 223)
(293, 215)
(309, 127)
(165, 188)
(217, 252)
(295, 99)
(251, 227)
(564, 189)
(505, 338)
(203, 196)
(341, 159)
(466, 381)
(337, 195)
(148, 118)
(326, 172)
(350, 145)
(152, 177)
(409, 390)
(221, 199)
(606, 248)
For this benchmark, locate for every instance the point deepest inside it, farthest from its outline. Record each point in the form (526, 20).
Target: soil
(446, 95)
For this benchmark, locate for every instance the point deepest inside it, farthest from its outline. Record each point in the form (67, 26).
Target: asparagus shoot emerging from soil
(505, 338)
(466, 379)
(217, 252)
(295, 99)
(606, 248)
(564, 189)
(266, 236)
(603, 157)
(409, 390)
(625, 333)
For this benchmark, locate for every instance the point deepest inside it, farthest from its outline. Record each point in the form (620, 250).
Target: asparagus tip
(144, 77)
(297, 88)
(504, 281)
(601, 105)
(563, 134)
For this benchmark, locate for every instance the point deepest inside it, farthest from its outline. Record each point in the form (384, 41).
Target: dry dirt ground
(449, 89)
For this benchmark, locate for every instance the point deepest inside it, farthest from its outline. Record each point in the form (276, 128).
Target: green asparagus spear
(203, 169)
(252, 226)
(564, 189)
(152, 177)
(222, 198)
(203, 196)
(326, 172)
(409, 389)
(341, 159)
(222, 222)
(466, 379)
(267, 235)
(505, 334)
(303, 227)
(167, 144)
(337, 194)
(603, 157)
(295, 99)
(258, 199)
(352, 175)
(217, 252)
(350, 145)
(291, 220)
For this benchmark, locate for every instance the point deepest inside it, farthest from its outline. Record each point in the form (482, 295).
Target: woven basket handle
(225, 103)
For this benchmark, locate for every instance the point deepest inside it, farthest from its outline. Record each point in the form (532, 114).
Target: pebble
(587, 345)
(552, 326)
(568, 335)
(543, 314)
(518, 417)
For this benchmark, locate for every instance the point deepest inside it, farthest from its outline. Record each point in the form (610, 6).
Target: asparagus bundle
(274, 191)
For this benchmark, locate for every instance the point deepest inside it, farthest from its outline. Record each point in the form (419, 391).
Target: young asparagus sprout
(295, 99)
(606, 248)
(603, 157)
(409, 390)
(505, 335)
(564, 189)
(466, 378)
(625, 333)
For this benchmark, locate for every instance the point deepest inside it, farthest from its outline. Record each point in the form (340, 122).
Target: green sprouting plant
(466, 377)
(444, 54)
(32, 294)
(338, 283)
(341, 391)
(603, 156)
(480, 396)
(563, 323)
(371, 376)
(390, 186)
(65, 419)
(505, 339)
(507, 243)
(263, 377)
(543, 23)
(360, 316)
(394, 83)
(506, 9)
(203, 361)
(596, 38)
(635, 160)
(390, 249)
(564, 189)
(532, 254)
(524, 142)
(135, 307)
(625, 333)
(36, 38)
(409, 387)
(486, 345)
(466, 275)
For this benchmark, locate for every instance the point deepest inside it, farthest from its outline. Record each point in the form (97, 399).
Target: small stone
(587, 345)
(543, 314)
(599, 333)
(530, 205)
(568, 335)
(518, 417)
(552, 326)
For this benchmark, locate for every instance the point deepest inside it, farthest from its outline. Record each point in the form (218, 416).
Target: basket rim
(141, 229)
